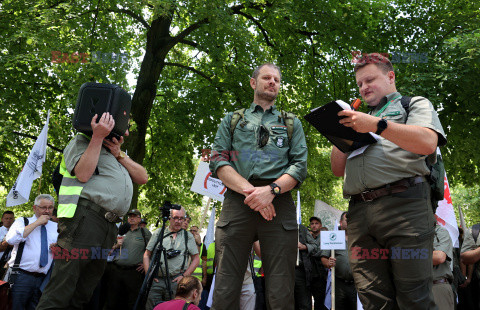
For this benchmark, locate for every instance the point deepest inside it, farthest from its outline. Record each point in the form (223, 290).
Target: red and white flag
(445, 214)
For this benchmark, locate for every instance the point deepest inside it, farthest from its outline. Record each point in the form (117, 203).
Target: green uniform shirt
(134, 245)
(384, 162)
(112, 187)
(443, 242)
(342, 266)
(469, 244)
(175, 263)
(243, 153)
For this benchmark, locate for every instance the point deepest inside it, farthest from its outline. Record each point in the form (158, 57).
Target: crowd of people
(396, 255)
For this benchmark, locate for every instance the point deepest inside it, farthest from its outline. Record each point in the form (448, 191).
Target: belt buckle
(363, 197)
(112, 217)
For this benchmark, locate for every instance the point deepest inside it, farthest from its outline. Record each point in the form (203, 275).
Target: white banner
(327, 214)
(206, 185)
(32, 170)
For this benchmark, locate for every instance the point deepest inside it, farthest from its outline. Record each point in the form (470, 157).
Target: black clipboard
(326, 121)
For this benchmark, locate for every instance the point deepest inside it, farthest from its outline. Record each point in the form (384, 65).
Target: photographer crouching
(179, 244)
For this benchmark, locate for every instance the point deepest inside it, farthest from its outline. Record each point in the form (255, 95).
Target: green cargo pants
(402, 224)
(237, 228)
(87, 236)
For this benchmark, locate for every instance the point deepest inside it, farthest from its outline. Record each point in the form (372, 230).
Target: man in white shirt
(36, 259)
(7, 220)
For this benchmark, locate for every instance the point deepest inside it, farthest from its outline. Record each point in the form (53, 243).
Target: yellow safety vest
(198, 272)
(210, 257)
(257, 264)
(69, 192)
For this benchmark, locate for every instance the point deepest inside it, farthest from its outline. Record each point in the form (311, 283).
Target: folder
(326, 120)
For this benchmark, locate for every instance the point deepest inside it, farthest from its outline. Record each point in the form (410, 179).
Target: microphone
(356, 104)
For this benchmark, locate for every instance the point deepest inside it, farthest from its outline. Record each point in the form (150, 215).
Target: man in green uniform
(260, 160)
(390, 205)
(318, 282)
(103, 174)
(175, 238)
(126, 273)
(470, 255)
(345, 292)
(442, 269)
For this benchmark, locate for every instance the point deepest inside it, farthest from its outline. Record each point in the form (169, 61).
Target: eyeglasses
(263, 136)
(46, 208)
(177, 218)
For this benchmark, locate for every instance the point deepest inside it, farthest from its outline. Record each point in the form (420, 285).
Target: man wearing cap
(125, 275)
(96, 190)
(319, 275)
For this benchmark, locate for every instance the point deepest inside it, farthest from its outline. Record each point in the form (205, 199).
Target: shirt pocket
(279, 136)
(243, 136)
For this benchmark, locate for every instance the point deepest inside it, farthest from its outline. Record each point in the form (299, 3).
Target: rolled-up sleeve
(222, 145)
(15, 234)
(298, 154)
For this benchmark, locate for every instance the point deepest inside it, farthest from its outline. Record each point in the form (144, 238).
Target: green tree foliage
(195, 61)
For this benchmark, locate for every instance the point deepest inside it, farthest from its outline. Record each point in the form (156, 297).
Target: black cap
(315, 218)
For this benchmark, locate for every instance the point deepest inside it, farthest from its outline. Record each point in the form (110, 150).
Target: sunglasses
(263, 136)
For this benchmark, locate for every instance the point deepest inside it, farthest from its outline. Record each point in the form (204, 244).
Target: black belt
(126, 267)
(108, 215)
(345, 281)
(35, 274)
(392, 188)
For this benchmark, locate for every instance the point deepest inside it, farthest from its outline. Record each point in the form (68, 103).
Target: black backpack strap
(186, 250)
(143, 235)
(18, 258)
(185, 306)
(405, 101)
(475, 231)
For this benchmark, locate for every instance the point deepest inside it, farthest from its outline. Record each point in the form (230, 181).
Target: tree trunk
(157, 48)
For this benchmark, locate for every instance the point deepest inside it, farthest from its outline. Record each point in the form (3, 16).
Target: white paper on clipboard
(363, 148)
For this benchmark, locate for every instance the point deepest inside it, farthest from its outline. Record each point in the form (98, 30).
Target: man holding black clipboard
(390, 204)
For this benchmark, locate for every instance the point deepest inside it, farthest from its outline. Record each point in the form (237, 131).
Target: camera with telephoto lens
(171, 253)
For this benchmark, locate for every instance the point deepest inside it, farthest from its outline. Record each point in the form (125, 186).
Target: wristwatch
(276, 190)
(381, 126)
(121, 155)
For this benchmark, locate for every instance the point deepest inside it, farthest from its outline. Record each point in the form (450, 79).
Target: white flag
(445, 214)
(210, 235)
(32, 170)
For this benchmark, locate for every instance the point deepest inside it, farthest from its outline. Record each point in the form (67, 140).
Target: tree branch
(132, 14)
(182, 35)
(35, 138)
(264, 32)
(190, 69)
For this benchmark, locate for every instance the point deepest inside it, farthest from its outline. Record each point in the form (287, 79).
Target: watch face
(276, 190)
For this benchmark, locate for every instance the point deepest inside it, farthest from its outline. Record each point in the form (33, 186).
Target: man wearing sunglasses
(260, 160)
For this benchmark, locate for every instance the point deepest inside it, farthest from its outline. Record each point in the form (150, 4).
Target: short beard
(266, 96)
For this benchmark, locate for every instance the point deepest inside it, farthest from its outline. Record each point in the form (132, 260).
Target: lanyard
(385, 106)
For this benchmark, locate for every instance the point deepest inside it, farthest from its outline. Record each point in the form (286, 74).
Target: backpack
(288, 120)
(437, 170)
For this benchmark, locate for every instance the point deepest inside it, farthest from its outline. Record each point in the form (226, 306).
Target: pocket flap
(289, 225)
(222, 223)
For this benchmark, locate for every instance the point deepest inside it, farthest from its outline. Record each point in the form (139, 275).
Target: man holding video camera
(179, 243)
(96, 190)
